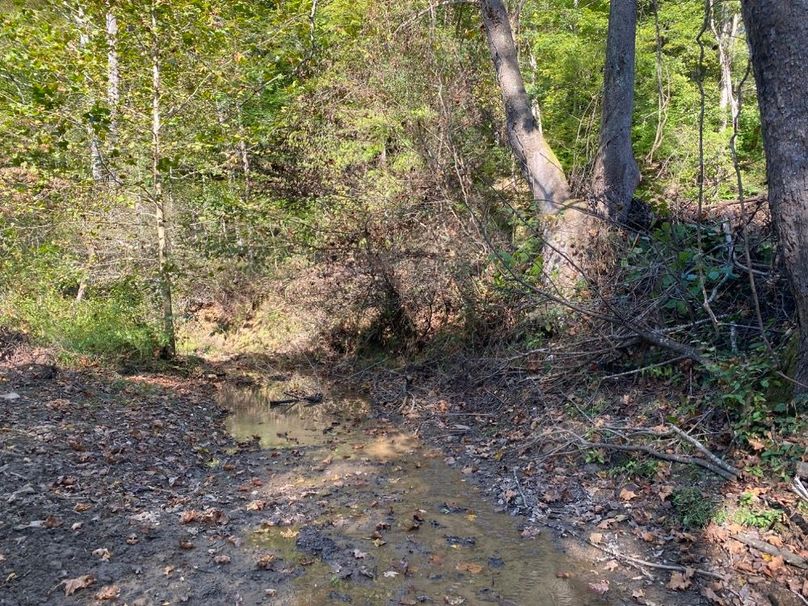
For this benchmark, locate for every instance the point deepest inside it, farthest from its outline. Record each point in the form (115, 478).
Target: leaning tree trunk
(564, 225)
(616, 175)
(777, 32)
(538, 162)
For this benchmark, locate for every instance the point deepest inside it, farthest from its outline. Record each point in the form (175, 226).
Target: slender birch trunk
(163, 244)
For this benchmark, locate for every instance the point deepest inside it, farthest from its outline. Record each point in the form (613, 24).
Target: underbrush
(114, 325)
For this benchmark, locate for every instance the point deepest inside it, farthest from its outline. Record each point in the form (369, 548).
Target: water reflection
(426, 533)
(287, 425)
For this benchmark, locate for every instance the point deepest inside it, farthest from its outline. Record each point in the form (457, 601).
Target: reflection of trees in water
(253, 404)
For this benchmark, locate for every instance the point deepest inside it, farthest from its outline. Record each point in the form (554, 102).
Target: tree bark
(777, 32)
(539, 164)
(616, 175)
(159, 201)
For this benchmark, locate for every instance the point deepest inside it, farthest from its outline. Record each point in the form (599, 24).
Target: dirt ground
(129, 489)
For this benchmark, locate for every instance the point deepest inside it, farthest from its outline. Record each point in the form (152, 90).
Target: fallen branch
(703, 450)
(675, 458)
(671, 567)
(788, 556)
(638, 562)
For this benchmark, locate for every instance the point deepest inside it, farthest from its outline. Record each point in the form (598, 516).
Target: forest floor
(150, 488)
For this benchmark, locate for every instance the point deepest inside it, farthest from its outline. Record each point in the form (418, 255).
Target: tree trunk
(159, 201)
(616, 175)
(113, 74)
(538, 162)
(724, 22)
(777, 32)
(96, 162)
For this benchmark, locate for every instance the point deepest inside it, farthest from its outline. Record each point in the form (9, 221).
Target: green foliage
(111, 327)
(693, 508)
(751, 513)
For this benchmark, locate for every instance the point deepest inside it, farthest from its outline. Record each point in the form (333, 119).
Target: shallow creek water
(388, 520)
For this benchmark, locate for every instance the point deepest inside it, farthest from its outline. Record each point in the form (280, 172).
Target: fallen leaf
(76, 526)
(257, 505)
(74, 585)
(601, 587)
(664, 492)
(192, 515)
(186, 544)
(678, 581)
(611, 565)
(132, 539)
(52, 522)
(359, 555)
(222, 559)
(110, 592)
(469, 567)
(563, 575)
(453, 600)
(103, 553)
(265, 561)
(390, 574)
(638, 594)
(168, 570)
(627, 494)
(596, 538)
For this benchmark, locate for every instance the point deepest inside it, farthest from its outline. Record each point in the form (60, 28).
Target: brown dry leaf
(82, 582)
(82, 507)
(756, 444)
(647, 536)
(359, 555)
(664, 492)
(563, 575)
(712, 596)
(611, 565)
(776, 565)
(627, 495)
(470, 567)
(103, 553)
(257, 505)
(679, 581)
(596, 538)
(265, 561)
(222, 559)
(52, 522)
(774, 540)
(110, 592)
(638, 594)
(186, 544)
(191, 515)
(601, 587)
(132, 539)
(530, 532)
(168, 570)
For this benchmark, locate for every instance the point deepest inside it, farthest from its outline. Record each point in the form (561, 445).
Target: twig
(703, 450)
(672, 567)
(643, 369)
(521, 492)
(639, 562)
